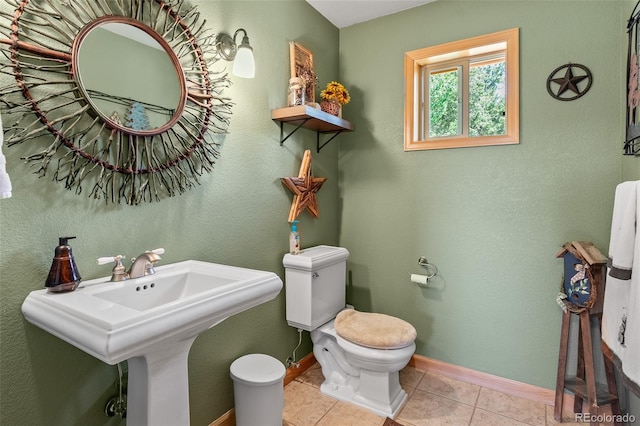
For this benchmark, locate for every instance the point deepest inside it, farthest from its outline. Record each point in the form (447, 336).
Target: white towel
(623, 231)
(5, 182)
(621, 311)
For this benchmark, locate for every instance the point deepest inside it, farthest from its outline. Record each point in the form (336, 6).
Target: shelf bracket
(283, 137)
(318, 146)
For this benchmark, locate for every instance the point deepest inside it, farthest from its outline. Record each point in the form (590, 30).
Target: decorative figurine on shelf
(333, 97)
(304, 188)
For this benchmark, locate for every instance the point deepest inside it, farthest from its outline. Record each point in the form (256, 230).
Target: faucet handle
(118, 273)
(109, 259)
(157, 251)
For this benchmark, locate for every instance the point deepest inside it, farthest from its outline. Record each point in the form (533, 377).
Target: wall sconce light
(242, 56)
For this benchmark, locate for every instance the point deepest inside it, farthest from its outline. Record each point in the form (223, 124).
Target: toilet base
(346, 393)
(349, 378)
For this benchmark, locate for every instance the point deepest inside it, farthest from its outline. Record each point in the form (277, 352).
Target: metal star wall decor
(304, 188)
(569, 82)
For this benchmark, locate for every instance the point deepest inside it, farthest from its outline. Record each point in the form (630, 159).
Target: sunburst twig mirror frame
(121, 164)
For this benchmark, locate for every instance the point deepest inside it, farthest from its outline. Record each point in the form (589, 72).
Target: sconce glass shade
(244, 65)
(242, 56)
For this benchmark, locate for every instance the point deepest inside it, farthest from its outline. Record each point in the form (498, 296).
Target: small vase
(331, 107)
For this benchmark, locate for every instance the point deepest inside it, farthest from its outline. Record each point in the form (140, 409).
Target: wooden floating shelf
(307, 117)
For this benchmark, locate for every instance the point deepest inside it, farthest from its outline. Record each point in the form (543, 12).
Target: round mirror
(125, 121)
(129, 75)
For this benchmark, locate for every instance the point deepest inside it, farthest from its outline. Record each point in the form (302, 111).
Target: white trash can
(258, 390)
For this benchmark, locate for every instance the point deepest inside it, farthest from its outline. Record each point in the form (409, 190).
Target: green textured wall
(630, 168)
(491, 219)
(237, 216)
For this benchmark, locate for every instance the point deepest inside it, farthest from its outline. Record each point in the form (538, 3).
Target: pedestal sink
(151, 322)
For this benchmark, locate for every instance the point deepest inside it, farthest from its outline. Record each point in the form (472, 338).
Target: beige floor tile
(409, 378)
(450, 388)
(313, 376)
(304, 405)
(568, 417)
(427, 409)
(524, 410)
(345, 414)
(434, 400)
(486, 418)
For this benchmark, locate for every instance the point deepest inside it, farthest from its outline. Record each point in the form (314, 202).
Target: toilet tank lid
(313, 258)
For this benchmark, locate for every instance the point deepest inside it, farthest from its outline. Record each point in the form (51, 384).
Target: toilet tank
(315, 285)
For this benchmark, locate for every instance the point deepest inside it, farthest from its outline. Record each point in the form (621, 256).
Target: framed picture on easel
(302, 66)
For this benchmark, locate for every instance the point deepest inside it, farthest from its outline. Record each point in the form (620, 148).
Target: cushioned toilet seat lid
(373, 330)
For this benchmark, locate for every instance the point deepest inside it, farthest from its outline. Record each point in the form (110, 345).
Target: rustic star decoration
(304, 188)
(573, 81)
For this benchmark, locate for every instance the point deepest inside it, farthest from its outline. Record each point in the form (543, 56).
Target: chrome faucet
(140, 266)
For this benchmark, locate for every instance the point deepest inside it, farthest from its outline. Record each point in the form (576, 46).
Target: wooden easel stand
(583, 385)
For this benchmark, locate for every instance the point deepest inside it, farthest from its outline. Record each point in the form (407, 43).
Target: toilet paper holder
(431, 269)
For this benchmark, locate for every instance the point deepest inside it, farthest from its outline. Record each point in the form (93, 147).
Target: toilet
(361, 354)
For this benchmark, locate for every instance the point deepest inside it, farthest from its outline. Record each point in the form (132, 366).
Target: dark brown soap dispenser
(63, 275)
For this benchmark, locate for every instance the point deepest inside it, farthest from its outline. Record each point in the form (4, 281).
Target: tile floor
(433, 400)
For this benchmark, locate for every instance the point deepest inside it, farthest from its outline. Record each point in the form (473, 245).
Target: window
(463, 93)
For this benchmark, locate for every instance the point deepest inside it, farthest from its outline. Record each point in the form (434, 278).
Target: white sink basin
(155, 291)
(151, 322)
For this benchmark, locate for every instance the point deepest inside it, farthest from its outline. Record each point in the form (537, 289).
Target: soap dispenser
(294, 238)
(63, 275)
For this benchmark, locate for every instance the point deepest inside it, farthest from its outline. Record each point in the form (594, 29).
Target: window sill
(444, 143)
